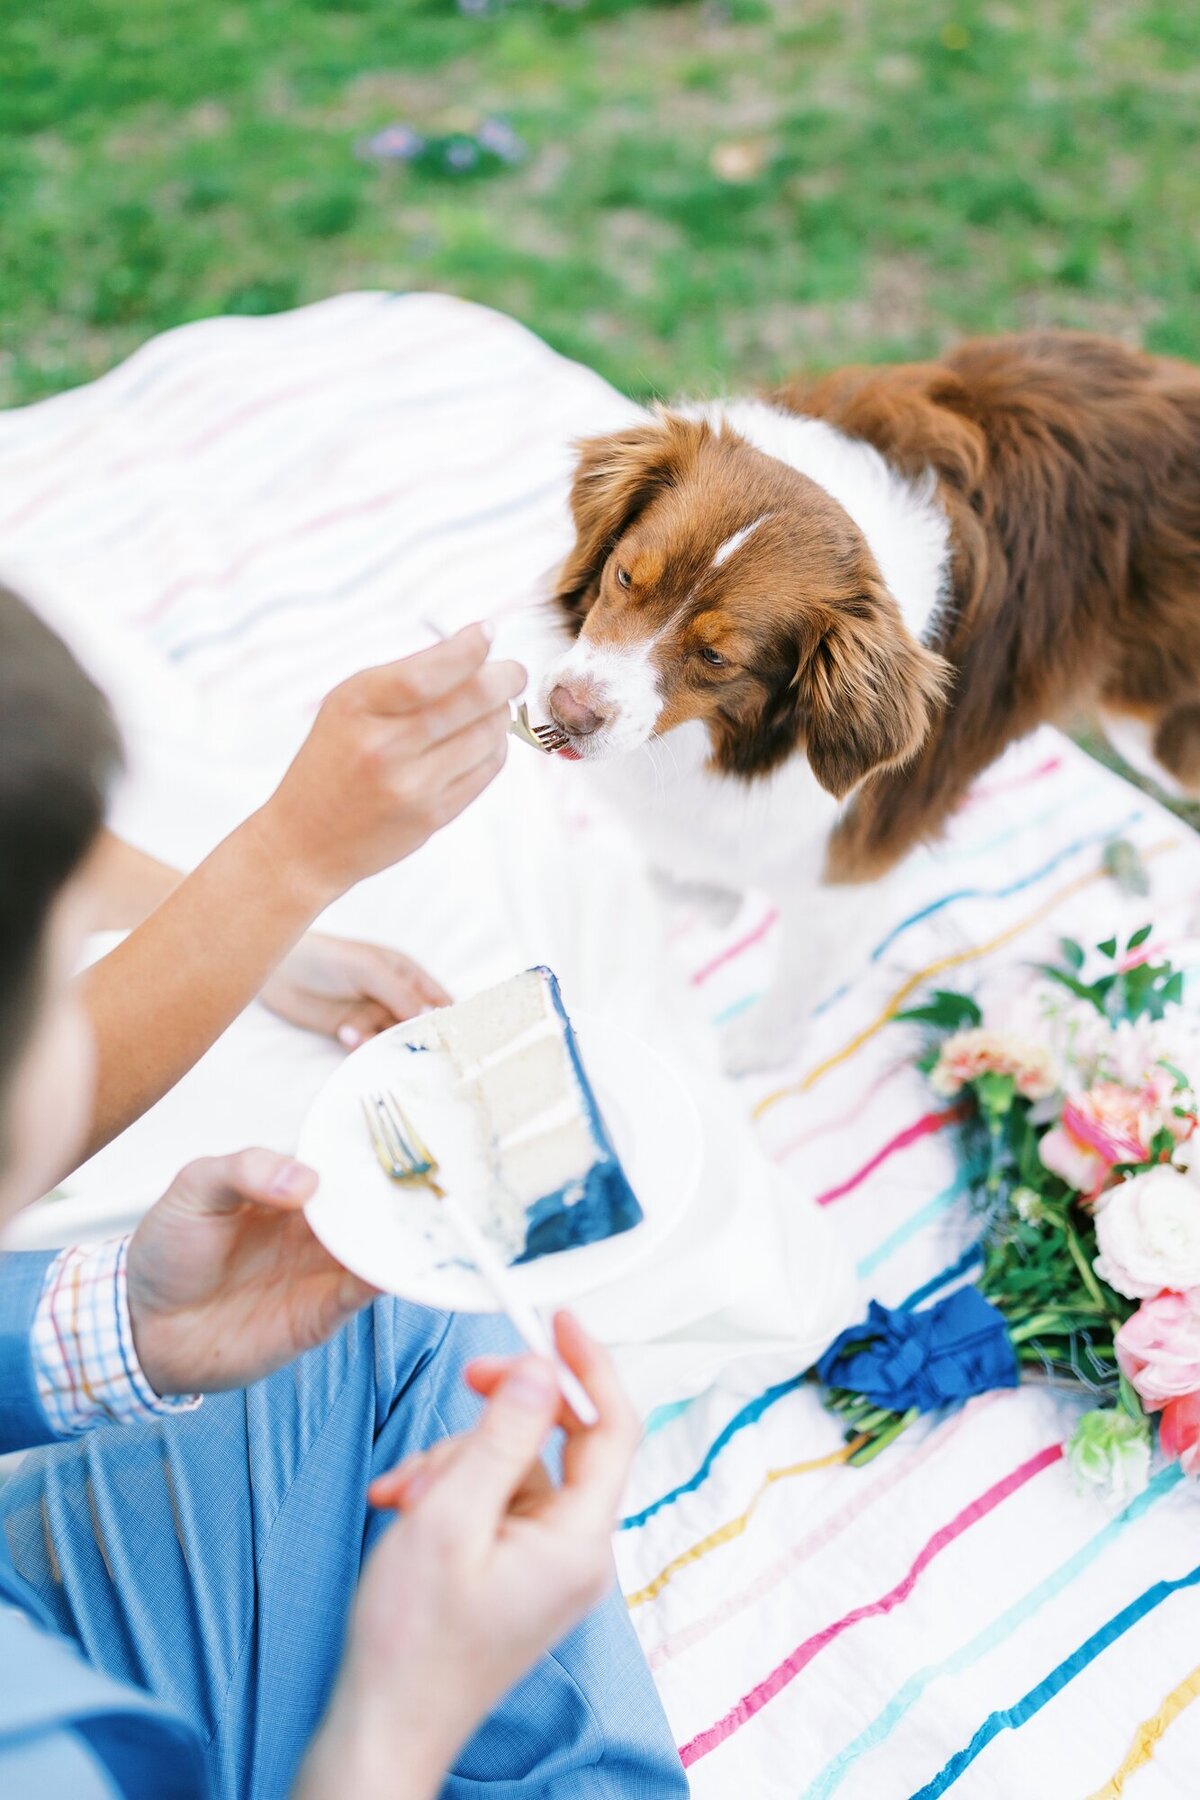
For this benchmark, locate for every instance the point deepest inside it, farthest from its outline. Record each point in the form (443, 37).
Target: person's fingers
(459, 794)
(403, 1486)
(220, 1184)
(430, 988)
(395, 982)
(596, 1458)
(491, 690)
(411, 683)
(485, 1373)
(366, 1019)
(468, 1498)
(453, 757)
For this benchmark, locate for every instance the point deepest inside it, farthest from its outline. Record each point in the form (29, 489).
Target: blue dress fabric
(177, 1593)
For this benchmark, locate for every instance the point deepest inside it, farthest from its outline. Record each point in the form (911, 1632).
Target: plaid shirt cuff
(84, 1360)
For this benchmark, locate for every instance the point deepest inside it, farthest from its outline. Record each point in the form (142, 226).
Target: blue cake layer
(599, 1205)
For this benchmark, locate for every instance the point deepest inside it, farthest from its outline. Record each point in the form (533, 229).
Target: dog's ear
(866, 691)
(615, 478)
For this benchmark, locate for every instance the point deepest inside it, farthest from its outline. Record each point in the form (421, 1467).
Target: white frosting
(500, 1104)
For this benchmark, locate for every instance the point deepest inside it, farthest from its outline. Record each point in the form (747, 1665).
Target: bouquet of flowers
(1079, 1113)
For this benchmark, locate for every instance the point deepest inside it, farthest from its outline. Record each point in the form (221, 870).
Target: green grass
(907, 171)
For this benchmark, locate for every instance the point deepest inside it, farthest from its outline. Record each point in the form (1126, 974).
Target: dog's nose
(573, 712)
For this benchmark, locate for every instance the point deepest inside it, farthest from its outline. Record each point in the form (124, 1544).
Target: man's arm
(394, 754)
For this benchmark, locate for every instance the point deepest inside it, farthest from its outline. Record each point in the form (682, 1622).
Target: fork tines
(542, 737)
(400, 1151)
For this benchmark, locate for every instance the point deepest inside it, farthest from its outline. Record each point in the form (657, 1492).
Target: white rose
(1148, 1230)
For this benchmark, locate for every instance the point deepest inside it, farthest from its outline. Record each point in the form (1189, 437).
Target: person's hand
(490, 1566)
(226, 1281)
(349, 990)
(394, 754)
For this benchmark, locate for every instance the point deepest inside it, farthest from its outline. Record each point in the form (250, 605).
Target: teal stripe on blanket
(1011, 1718)
(924, 1215)
(1006, 892)
(663, 1415)
(902, 1703)
(753, 1410)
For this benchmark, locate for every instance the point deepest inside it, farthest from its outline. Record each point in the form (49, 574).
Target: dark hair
(59, 748)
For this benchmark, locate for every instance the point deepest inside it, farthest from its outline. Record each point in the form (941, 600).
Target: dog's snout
(575, 709)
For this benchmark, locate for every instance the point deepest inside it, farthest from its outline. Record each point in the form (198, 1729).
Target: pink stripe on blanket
(924, 1127)
(779, 1678)
(825, 1127)
(988, 790)
(825, 1534)
(38, 502)
(354, 509)
(732, 951)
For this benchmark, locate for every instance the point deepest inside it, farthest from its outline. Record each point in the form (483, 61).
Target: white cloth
(248, 510)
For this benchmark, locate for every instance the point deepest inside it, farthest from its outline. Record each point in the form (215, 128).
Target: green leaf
(1054, 973)
(1130, 1398)
(1172, 991)
(947, 1010)
(1072, 952)
(1139, 937)
(1108, 947)
(1162, 1143)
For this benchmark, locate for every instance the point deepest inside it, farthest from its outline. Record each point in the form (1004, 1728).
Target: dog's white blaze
(625, 683)
(726, 550)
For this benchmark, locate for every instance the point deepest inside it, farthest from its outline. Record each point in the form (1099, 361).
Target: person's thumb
(220, 1184)
(474, 1490)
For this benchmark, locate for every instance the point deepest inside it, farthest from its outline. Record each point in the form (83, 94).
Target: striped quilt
(249, 509)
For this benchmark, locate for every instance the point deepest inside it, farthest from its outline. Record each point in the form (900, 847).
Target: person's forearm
(127, 883)
(164, 995)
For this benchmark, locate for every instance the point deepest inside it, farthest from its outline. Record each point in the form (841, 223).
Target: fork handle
(526, 1320)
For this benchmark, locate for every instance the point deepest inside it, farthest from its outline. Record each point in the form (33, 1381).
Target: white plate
(390, 1235)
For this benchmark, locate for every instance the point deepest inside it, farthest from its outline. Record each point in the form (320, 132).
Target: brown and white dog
(823, 614)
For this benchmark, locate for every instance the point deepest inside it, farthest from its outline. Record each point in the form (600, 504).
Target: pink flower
(1075, 1162)
(1159, 1348)
(1148, 1233)
(968, 1054)
(1109, 1124)
(1179, 1432)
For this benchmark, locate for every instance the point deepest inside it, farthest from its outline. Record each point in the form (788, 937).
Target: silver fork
(546, 738)
(406, 1159)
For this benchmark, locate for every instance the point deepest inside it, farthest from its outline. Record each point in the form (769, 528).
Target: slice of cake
(545, 1175)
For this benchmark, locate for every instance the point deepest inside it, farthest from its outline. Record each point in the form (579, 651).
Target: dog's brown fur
(1069, 469)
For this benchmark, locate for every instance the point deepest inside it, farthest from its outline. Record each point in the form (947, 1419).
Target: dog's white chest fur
(702, 826)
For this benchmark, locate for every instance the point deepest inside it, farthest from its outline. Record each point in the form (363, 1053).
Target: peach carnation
(969, 1054)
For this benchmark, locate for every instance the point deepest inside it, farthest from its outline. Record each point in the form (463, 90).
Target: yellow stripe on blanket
(939, 968)
(1148, 1733)
(725, 1534)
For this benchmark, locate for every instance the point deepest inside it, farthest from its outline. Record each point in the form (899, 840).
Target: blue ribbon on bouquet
(924, 1359)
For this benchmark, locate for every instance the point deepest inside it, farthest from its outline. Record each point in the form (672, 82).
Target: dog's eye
(713, 657)
(624, 577)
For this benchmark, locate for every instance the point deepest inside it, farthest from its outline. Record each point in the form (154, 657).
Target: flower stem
(1087, 1273)
(869, 1451)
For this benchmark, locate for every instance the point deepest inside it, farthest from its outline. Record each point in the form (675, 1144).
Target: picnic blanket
(248, 510)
